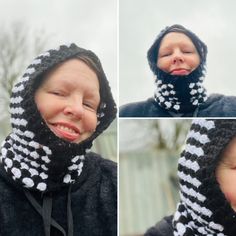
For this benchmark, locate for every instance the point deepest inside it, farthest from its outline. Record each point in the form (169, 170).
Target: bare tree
(18, 46)
(169, 134)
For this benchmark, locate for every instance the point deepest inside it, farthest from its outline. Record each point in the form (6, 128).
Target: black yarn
(153, 51)
(203, 208)
(180, 94)
(32, 154)
(181, 100)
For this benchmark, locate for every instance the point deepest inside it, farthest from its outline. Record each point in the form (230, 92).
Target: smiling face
(68, 100)
(226, 173)
(177, 54)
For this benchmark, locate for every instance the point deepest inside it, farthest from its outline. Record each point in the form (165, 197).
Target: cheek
(40, 103)
(42, 109)
(46, 107)
(226, 179)
(230, 196)
(163, 64)
(194, 62)
(90, 122)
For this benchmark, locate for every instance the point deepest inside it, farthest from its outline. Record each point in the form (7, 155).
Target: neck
(180, 94)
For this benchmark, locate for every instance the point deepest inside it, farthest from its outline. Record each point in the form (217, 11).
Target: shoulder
(104, 188)
(218, 105)
(162, 228)
(148, 108)
(104, 169)
(105, 165)
(7, 184)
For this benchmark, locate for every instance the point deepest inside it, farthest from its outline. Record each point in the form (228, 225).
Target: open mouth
(65, 131)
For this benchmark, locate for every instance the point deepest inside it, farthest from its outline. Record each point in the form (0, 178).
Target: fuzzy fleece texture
(50, 186)
(215, 106)
(94, 203)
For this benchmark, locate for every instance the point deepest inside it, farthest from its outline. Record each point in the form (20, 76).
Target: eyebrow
(183, 44)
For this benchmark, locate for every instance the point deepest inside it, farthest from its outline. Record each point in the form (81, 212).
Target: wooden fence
(147, 189)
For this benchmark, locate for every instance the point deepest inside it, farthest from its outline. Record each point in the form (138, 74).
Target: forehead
(175, 38)
(73, 71)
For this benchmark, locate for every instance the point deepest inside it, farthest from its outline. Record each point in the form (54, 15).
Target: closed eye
(91, 106)
(165, 55)
(57, 93)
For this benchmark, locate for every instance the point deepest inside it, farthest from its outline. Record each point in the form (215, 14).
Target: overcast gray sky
(93, 24)
(214, 21)
(90, 24)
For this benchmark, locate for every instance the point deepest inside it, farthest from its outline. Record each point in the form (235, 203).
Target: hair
(86, 56)
(92, 61)
(152, 54)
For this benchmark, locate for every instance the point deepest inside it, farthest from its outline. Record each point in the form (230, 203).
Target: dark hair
(87, 56)
(153, 51)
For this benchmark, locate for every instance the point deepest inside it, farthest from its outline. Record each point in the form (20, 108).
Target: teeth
(66, 129)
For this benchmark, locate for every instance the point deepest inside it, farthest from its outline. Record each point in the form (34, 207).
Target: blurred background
(29, 27)
(141, 21)
(148, 185)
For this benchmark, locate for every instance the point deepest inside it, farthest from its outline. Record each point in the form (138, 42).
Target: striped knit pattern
(32, 155)
(203, 208)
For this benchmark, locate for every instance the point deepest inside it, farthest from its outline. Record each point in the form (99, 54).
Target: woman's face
(68, 100)
(226, 173)
(177, 54)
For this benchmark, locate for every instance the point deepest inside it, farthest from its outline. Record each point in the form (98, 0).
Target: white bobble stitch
(43, 176)
(33, 172)
(168, 104)
(176, 107)
(67, 178)
(45, 159)
(24, 166)
(8, 162)
(29, 183)
(161, 99)
(191, 85)
(16, 172)
(41, 186)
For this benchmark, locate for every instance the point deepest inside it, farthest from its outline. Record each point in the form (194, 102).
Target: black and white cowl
(32, 155)
(203, 208)
(180, 94)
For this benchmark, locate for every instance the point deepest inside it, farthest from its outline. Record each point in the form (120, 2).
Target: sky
(141, 21)
(121, 42)
(94, 25)
(90, 24)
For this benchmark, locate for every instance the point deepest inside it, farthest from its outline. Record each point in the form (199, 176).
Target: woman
(178, 59)
(50, 183)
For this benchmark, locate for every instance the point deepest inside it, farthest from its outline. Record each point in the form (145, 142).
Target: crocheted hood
(203, 208)
(32, 155)
(179, 93)
(153, 51)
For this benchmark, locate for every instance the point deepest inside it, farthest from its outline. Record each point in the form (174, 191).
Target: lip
(63, 133)
(180, 71)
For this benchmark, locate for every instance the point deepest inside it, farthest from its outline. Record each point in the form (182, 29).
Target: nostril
(75, 111)
(177, 59)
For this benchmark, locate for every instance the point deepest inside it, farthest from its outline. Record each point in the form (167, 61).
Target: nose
(74, 108)
(177, 58)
